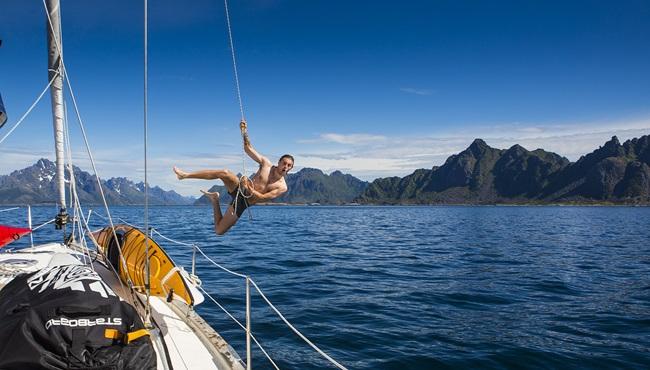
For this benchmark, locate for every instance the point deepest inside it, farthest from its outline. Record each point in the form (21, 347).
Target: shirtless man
(268, 183)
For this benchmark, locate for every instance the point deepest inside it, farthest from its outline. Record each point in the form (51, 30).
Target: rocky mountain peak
(612, 148)
(45, 163)
(478, 146)
(612, 143)
(516, 150)
(310, 171)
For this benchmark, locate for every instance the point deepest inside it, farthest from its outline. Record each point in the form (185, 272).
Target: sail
(3, 113)
(8, 234)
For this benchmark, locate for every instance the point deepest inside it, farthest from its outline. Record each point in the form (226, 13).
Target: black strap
(78, 346)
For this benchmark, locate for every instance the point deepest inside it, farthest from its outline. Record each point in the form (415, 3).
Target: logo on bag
(83, 322)
(71, 276)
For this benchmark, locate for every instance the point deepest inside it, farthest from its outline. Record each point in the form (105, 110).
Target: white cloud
(401, 155)
(411, 90)
(350, 139)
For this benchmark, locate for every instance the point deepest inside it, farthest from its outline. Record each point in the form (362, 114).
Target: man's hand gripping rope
(245, 185)
(243, 127)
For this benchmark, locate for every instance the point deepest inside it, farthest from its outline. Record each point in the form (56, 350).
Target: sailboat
(108, 298)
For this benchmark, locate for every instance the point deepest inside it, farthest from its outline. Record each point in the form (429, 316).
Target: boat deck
(188, 346)
(182, 339)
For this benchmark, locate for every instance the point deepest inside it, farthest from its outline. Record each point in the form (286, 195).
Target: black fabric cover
(56, 319)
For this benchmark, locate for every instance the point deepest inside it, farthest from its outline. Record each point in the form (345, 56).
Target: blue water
(427, 287)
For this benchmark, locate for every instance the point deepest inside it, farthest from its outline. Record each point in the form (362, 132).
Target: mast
(55, 74)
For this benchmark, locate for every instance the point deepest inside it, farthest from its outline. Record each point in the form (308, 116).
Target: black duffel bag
(66, 317)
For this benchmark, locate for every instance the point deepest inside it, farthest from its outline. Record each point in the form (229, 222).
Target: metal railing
(247, 327)
(29, 221)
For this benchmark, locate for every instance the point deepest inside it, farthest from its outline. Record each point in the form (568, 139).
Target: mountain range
(614, 173)
(36, 185)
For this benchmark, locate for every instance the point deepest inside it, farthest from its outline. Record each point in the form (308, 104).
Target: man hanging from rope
(267, 184)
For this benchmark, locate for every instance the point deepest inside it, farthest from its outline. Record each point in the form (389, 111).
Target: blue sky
(371, 88)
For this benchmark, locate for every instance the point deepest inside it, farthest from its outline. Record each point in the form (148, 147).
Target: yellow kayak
(166, 279)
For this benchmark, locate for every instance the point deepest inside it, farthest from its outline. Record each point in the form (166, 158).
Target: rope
(237, 84)
(296, 330)
(171, 240)
(240, 324)
(9, 209)
(47, 223)
(262, 294)
(79, 211)
(28, 110)
(222, 308)
(120, 220)
(234, 61)
(244, 196)
(219, 266)
(200, 251)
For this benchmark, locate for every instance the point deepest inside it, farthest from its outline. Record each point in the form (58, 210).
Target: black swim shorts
(241, 202)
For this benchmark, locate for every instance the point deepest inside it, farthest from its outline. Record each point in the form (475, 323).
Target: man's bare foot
(180, 173)
(213, 196)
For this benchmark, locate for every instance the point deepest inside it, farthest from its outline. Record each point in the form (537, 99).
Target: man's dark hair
(287, 156)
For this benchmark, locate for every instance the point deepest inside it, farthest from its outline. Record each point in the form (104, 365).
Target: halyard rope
(234, 61)
(241, 109)
(29, 110)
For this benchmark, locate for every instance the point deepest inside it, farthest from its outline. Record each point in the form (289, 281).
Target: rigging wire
(28, 110)
(87, 145)
(147, 284)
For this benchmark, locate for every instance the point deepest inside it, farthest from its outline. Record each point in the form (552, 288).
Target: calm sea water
(426, 287)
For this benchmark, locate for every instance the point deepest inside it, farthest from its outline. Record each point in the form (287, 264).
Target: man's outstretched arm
(248, 148)
(263, 197)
